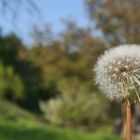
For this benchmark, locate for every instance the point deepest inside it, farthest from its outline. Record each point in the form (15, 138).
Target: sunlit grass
(18, 124)
(21, 131)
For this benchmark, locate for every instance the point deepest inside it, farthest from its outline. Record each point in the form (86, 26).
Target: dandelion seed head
(118, 70)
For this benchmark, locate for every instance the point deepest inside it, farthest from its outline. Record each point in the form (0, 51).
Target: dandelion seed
(119, 62)
(128, 60)
(116, 69)
(126, 66)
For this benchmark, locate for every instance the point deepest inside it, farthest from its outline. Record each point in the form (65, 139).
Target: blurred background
(48, 49)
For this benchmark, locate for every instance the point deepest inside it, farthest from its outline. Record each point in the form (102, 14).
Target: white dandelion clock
(118, 76)
(118, 73)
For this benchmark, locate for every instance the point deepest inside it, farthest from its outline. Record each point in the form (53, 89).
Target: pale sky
(51, 11)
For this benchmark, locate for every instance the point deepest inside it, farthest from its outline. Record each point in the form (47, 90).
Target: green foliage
(11, 112)
(66, 66)
(24, 77)
(58, 73)
(76, 106)
(71, 56)
(10, 81)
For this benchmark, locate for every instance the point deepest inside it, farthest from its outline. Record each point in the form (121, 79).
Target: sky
(51, 12)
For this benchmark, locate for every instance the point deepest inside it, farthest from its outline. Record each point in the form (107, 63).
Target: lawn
(18, 124)
(22, 131)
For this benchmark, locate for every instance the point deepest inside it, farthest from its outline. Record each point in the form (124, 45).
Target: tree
(11, 85)
(67, 66)
(15, 55)
(118, 20)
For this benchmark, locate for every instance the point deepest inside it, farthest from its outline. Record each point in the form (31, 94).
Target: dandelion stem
(128, 121)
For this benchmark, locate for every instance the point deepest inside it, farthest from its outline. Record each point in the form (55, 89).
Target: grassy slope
(20, 126)
(12, 112)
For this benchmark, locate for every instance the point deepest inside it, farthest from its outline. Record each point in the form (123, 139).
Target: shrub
(76, 107)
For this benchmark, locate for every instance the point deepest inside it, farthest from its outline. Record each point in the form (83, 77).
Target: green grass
(12, 112)
(18, 124)
(21, 131)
